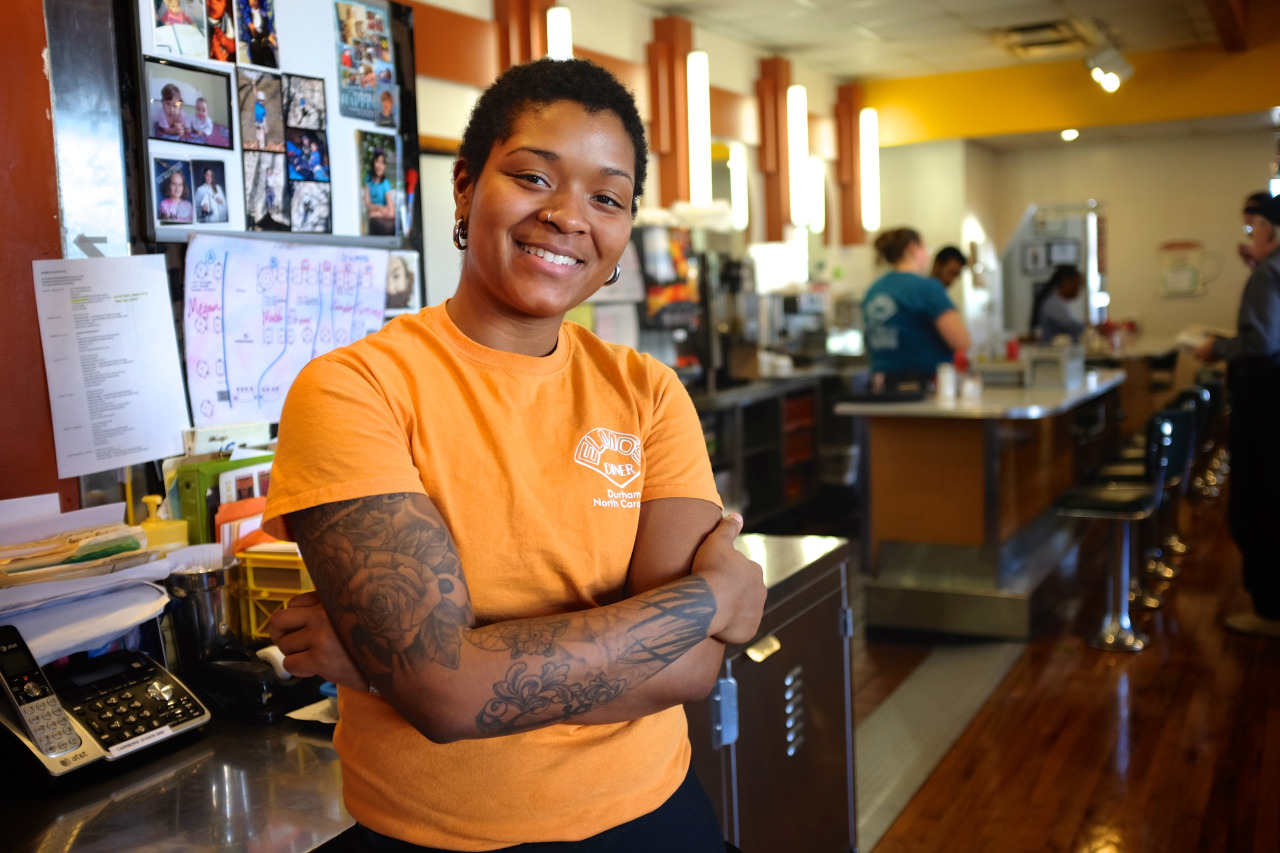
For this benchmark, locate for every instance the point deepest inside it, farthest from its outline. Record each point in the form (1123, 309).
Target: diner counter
(232, 786)
(957, 522)
(994, 402)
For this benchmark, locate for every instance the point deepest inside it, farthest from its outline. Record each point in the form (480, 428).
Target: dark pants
(1254, 508)
(685, 823)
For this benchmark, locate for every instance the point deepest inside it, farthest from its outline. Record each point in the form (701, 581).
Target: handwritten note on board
(255, 312)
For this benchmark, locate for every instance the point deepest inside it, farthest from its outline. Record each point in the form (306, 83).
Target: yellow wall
(1166, 85)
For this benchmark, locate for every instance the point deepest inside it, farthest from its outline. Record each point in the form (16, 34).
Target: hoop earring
(460, 234)
(617, 274)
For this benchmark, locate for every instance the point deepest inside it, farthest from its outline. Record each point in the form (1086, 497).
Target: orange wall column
(30, 225)
(771, 93)
(669, 105)
(849, 164)
(522, 30)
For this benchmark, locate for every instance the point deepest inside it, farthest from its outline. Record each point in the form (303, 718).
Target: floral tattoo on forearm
(391, 578)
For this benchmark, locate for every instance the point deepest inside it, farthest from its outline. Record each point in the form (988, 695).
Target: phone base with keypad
(117, 704)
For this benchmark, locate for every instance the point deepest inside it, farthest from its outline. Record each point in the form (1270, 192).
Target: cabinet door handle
(762, 649)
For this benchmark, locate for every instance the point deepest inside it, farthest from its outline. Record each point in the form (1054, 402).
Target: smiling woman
(512, 525)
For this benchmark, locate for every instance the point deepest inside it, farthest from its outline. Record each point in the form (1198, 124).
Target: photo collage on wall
(219, 74)
(366, 71)
(306, 148)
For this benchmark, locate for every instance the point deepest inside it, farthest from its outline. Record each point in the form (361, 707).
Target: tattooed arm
(388, 574)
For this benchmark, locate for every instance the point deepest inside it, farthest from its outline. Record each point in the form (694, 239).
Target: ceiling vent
(1065, 39)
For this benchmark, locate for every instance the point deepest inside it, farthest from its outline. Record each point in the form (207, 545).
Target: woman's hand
(311, 647)
(737, 582)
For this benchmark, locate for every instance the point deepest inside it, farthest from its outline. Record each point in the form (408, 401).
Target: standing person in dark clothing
(1253, 377)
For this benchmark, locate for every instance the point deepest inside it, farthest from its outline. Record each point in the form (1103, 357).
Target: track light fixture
(1108, 67)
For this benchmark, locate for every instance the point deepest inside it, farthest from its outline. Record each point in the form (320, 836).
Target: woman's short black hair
(541, 83)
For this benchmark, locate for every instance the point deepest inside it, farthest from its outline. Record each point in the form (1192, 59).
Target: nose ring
(548, 218)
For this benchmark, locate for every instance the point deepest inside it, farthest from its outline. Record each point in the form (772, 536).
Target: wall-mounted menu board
(275, 116)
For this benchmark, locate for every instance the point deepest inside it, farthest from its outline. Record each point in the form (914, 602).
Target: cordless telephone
(30, 695)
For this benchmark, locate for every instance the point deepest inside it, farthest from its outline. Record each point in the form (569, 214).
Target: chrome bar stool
(1181, 441)
(1123, 504)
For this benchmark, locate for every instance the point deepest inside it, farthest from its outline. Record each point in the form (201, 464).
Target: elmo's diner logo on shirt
(616, 457)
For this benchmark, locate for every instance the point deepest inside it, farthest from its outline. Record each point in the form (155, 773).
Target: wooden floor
(1174, 749)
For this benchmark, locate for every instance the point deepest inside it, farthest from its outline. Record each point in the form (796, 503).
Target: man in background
(1253, 377)
(947, 265)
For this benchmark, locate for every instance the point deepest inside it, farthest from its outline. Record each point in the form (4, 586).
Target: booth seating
(1122, 504)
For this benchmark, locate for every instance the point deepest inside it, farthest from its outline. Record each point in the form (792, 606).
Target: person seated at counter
(947, 265)
(1051, 314)
(520, 563)
(911, 325)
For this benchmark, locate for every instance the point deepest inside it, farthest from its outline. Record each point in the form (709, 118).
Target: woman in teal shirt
(911, 324)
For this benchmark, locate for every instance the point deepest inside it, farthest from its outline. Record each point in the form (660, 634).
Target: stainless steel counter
(1008, 403)
(783, 557)
(236, 787)
(267, 789)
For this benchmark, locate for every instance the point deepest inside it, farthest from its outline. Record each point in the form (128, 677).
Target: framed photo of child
(304, 104)
(256, 29)
(221, 24)
(178, 28)
(261, 110)
(379, 183)
(173, 191)
(308, 155)
(187, 104)
(265, 205)
(209, 196)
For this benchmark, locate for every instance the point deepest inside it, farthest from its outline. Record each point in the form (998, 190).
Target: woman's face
(563, 161)
(177, 185)
(208, 176)
(379, 166)
(217, 8)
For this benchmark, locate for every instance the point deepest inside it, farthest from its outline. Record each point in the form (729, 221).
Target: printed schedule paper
(111, 360)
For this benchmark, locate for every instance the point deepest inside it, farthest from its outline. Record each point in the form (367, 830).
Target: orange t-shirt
(539, 467)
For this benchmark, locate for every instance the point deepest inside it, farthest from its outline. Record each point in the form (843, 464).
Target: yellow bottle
(163, 536)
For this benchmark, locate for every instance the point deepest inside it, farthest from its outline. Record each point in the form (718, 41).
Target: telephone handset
(30, 695)
(103, 708)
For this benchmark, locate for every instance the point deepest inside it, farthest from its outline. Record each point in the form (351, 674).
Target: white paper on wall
(256, 312)
(111, 360)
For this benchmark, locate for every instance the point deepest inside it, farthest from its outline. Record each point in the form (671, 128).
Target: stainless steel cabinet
(773, 745)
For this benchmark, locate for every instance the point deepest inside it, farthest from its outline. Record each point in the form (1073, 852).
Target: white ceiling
(883, 39)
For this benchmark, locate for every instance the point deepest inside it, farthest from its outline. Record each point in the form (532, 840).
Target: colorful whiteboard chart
(256, 312)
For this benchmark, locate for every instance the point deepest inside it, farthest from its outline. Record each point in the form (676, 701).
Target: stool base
(1114, 638)
(1158, 568)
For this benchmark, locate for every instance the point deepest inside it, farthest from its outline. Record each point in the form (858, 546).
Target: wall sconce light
(869, 167)
(559, 33)
(817, 218)
(698, 80)
(739, 212)
(798, 154)
(1108, 67)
